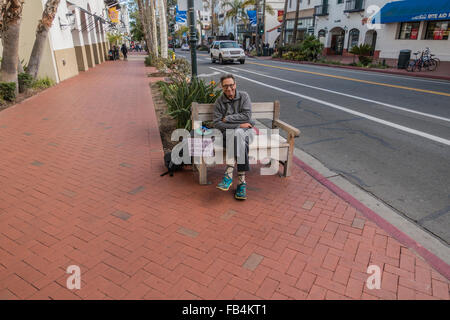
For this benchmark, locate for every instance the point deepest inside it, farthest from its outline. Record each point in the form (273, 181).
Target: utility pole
(192, 37)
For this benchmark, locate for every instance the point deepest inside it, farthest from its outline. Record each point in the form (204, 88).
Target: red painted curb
(411, 74)
(431, 258)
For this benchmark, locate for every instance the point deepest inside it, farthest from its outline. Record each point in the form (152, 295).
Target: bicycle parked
(427, 61)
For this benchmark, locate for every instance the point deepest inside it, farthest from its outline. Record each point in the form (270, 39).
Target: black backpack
(171, 167)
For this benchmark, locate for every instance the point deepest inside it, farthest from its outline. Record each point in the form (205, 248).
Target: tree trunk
(283, 29)
(294, 34)
(162, 28)
(144, 22)
(264, 23)
(154, 28)
(11, 16)
(41, 36)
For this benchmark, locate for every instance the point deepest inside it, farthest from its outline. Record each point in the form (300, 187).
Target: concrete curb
(430, 248)
(406, 232)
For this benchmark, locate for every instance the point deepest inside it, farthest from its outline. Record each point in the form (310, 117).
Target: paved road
(388, 134)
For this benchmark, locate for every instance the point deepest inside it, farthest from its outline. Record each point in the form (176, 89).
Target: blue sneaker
(225, 184)
(241, 191)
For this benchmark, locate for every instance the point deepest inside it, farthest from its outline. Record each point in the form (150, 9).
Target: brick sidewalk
(80, 185)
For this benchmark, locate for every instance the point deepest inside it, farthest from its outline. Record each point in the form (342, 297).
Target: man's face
(229, 88)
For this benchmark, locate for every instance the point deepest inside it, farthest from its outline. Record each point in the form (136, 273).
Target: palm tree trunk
(294, 34)
(48, 15)
(11, 16)
(283, 29)
(154, 29)
(145, 23)
(162, 28)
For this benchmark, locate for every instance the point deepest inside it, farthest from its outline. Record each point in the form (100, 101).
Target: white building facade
(411, 24)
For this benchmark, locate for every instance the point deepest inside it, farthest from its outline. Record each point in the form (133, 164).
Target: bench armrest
(287, 127)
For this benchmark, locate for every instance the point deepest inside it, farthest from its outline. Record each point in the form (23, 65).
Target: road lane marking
(348, 95)
(353, 79)
(363, 115)
(374, 74)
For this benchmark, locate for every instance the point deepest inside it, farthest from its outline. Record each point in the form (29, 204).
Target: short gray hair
(227, 76)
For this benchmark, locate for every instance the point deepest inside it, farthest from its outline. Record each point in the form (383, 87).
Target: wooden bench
(279, 149)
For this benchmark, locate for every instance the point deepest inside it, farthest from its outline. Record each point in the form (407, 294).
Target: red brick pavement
(80, 185)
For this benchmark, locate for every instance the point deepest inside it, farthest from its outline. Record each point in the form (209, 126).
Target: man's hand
(245, 125)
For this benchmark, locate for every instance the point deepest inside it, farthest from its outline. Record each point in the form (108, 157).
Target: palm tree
(10, 19)
(43, 26)
(145, 22)
(162, 28)
(294, 34)
(235, 7)
(283, 29)
(153, 28)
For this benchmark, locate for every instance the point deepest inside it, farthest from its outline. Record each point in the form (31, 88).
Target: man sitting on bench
(233, 113)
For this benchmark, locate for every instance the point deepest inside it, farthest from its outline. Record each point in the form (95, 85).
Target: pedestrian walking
(124, 51)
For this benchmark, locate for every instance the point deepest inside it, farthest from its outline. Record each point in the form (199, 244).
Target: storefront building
(76, 40)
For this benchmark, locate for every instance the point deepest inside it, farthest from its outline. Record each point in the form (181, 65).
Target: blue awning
(413, 10)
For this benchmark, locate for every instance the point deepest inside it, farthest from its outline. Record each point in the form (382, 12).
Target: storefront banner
(280, 15)
(113, 15)
(252, 16)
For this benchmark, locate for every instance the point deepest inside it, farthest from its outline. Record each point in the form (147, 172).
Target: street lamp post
(192, 37)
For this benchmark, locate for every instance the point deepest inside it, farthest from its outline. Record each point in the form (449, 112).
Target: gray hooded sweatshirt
(235, 112)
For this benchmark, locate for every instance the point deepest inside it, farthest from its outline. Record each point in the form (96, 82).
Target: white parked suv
(227, 50)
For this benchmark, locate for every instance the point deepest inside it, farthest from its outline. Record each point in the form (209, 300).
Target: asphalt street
(388, 134)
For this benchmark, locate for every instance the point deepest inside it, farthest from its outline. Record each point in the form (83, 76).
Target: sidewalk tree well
(10, 19)
(48, 15)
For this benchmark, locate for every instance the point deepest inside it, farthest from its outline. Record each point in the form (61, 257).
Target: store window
(353, 38)
(437, 30)
(409, 30)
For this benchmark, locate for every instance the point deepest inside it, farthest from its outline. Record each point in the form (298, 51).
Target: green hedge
(25, 81)
(8, 91)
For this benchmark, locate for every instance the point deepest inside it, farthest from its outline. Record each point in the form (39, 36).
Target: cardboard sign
(201, 147)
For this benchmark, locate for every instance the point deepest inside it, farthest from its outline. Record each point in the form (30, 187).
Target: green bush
(42, 83)
(25, 81)
(8, 91)
(180, 95)
(363, 52)
(307, 50)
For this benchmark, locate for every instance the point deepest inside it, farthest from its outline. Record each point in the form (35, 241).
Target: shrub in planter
(8, 91)
(25, 81)
(180, 95)
(180, 69)
(363, 52)
(42, 83)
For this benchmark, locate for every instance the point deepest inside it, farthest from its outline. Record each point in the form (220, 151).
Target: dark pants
(242, 139)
